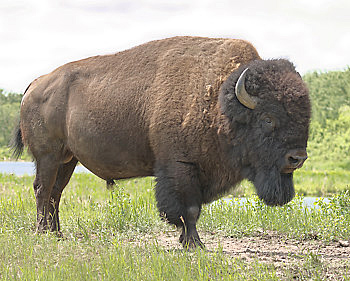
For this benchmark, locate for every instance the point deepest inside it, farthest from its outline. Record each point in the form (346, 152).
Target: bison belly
(111, 146)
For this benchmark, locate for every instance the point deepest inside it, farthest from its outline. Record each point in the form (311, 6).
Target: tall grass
(88, 208)
(112, 235)
(43, 258)
(327, 221)
(99, 226)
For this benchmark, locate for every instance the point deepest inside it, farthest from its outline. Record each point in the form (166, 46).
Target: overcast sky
(36, 36)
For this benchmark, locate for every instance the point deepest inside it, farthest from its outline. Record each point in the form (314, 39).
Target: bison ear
(242, 94)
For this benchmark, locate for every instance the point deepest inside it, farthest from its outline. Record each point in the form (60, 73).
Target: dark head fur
(263, 136)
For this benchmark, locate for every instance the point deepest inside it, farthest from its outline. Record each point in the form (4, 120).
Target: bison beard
(273, 187)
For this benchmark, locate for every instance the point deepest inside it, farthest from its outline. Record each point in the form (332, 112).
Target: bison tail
(16, 143)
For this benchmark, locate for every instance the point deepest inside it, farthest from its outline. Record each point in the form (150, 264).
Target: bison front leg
(189, 237)
(179, 200)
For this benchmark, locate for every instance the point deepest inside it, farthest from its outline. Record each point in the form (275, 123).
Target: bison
(199, 114)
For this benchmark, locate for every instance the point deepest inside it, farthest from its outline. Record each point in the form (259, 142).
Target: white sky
(36, 36)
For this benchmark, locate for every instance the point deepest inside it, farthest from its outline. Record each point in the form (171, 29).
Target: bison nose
(295, 159)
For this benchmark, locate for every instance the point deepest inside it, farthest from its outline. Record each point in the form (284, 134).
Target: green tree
(329, 142)
(329, 91)
(9, 115)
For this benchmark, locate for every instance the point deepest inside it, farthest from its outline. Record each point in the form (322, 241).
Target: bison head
(267, 107)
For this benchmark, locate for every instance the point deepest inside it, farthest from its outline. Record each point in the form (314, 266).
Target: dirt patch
(273, 248)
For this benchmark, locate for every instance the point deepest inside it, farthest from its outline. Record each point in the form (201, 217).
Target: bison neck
(222, 166)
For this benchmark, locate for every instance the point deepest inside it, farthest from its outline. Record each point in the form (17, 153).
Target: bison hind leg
(46, 173)
(64, 174)
(52, 175)
(110, 184)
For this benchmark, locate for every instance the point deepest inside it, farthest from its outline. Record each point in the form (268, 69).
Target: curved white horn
(242, 94)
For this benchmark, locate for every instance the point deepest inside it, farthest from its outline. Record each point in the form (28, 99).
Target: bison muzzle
(199, 114)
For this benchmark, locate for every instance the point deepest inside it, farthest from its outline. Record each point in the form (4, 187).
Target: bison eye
(268, 120)
(269, 123)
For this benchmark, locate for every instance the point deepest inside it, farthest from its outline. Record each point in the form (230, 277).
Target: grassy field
(117, 235)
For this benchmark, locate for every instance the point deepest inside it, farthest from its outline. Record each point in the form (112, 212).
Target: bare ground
(298, 257)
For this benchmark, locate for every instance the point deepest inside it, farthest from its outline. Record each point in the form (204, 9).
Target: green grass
(98, 225)
(43, 258)
(321, 183)
(324, 221)
(308, 182)
(112, 235)
(6, 155)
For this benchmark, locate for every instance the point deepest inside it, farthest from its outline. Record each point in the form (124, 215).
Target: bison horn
(242, 94)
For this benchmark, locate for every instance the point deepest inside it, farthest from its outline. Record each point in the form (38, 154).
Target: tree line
(329, 142)
(9, 115)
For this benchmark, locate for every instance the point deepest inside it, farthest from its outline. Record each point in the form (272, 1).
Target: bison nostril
(293, 160)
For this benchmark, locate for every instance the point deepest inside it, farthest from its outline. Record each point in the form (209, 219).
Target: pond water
(28, 168)
(310, 202)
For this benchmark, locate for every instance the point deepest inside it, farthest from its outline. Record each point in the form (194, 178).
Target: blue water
(307, 201)
(28, 168)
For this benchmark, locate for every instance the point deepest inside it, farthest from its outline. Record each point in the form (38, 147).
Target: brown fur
(150, 110)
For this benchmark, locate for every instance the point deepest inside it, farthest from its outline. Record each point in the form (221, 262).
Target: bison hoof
(41, 228)
(58, 234)
(190, 242)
